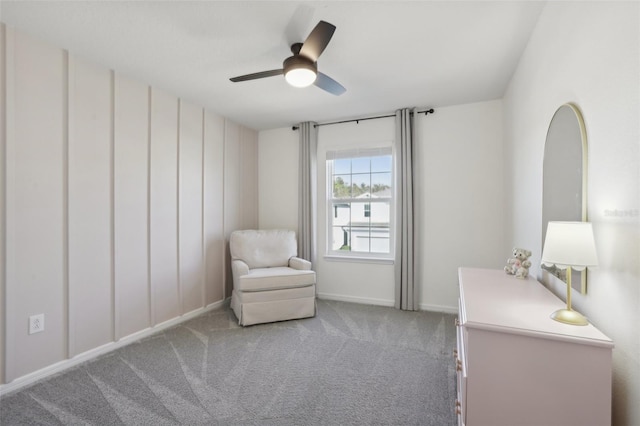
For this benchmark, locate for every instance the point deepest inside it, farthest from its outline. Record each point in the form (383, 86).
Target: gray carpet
(351, 364)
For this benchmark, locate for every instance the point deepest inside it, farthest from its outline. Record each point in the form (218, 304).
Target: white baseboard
(355, 299)
(45, 372)
(385, 302)
(439, 308)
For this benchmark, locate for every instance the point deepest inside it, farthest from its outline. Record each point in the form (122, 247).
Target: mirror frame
(578, 278)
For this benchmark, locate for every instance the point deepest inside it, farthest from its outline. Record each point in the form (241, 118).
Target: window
(360, 202)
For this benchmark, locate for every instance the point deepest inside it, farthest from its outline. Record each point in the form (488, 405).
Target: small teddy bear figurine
(518, 265)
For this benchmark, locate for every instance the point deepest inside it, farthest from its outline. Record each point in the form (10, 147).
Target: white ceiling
(388, 54)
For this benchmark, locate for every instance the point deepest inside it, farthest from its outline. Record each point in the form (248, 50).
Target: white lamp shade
(569, 244)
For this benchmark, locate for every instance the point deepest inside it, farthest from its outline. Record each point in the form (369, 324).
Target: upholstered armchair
(269, 282)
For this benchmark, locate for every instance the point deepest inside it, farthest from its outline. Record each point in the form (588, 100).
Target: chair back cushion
(263, 248)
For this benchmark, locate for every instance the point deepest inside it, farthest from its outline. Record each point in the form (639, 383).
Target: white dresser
(517, 366)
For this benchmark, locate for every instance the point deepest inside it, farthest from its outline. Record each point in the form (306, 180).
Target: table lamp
(569, 245)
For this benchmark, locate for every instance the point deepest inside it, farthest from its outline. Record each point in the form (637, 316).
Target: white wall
(278, 179)
(460, 191)
(587, 53)
(461, 197)
(114, 197)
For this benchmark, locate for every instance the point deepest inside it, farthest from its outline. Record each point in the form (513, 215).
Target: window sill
(359, 259)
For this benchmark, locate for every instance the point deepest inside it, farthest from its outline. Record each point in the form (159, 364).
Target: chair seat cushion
(261, 279)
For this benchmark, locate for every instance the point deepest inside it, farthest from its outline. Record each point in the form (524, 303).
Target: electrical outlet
(36, 323)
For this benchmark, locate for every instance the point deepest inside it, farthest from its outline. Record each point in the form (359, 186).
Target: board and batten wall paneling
(240, 186)
(278, 179)
(249, 177)
(213, 232)
(164, 207)
(3, 168)
(90, 275)
(190, 207)
(131, 138)
(35, 196)
(232, 188)
(116, 207)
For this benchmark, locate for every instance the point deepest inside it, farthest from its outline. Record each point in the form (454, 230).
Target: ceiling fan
(301, 69)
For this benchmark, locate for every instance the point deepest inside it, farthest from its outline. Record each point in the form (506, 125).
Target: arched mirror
(564, 187)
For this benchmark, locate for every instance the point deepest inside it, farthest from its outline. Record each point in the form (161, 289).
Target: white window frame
(359, 255)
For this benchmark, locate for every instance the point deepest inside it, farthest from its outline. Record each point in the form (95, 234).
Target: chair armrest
(239, 268)
(300, 264)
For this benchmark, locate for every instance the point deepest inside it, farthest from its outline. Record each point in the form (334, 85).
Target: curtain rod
(357, 120)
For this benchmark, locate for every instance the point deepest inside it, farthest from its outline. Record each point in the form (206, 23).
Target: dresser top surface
(493, 300)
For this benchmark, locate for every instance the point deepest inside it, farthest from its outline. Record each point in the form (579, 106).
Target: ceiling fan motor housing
(300, 71)
(297, 62)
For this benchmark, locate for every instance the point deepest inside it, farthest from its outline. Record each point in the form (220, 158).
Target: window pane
(342, 166)
(361, 165)
(380, 242)
(380, 214)
(342, 186)
(360, 238)
(340, 238)
(361, 185)
(359, 228)
(358, 217)
(341, 214)
(381, 184)
(381, 164)
(380, 223)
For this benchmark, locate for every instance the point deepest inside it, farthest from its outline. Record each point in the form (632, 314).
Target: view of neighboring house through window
(361, 201)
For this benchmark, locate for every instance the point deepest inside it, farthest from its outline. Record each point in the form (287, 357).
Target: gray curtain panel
(406, 277)
(307, 199)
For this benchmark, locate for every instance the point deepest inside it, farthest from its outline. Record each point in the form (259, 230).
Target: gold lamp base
(569, 316)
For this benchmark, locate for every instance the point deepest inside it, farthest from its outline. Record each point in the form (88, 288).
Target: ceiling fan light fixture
(300, 77)
(300, 71)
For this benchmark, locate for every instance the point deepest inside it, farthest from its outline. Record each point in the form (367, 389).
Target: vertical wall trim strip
(203, 239)
(67, 121)
(242, 177)
(9, 321)
(115, 317)
(3, 200)
(224, 210)
(152, 321)
(179, 277)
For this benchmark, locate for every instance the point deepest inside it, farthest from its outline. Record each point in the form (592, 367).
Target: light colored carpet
(351, 364)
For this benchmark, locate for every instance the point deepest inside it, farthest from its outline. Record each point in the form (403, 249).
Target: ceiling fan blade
(298, 23)
(256, 75)
(325, 82)
(318, 40)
